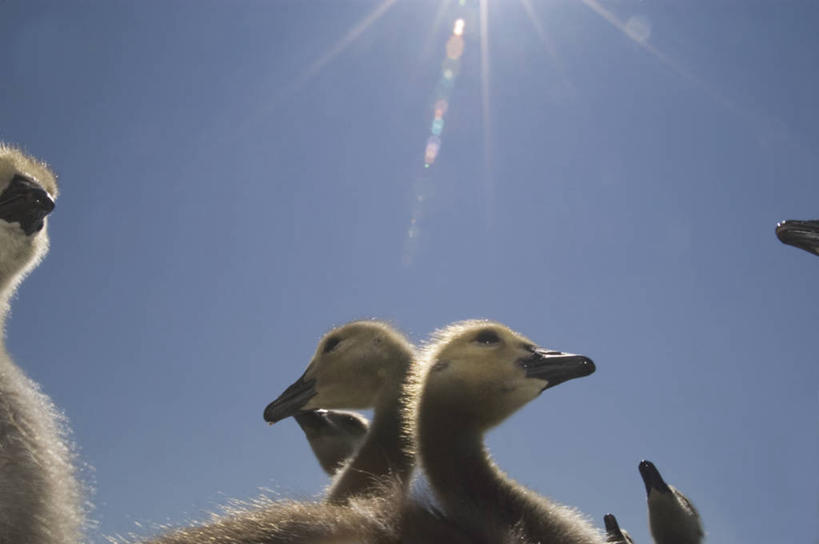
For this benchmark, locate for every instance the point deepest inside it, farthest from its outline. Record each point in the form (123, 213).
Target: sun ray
(489, 185)
(429, 42)
(283, 92)
(541, 32)
(342, 44)
(612, 19)
(630, 33)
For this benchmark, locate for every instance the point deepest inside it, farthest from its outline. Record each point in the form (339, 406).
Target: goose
(365, 364)
(370, 520)
(358, 365)
(380, 518)
(672, 517)
(477, 374)
(362, 364)
(801, 234)
(334, 435)
(41, 499)
(614, 534)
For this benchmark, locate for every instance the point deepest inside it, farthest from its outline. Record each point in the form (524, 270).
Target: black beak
(651, 478)
(801, 234)
(25, 202)
(290, 402)
(313, 420)
(613, 533)
(555, 367)
(611, 524)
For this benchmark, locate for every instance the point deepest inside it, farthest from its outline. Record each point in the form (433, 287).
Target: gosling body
(41, 499)
(371, 520)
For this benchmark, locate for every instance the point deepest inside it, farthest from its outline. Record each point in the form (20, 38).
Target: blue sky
(238, 177)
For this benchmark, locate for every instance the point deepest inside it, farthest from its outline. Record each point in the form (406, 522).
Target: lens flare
(449, 72)
(450, 68)
(455, 47)
(433, 146)
(437, 126)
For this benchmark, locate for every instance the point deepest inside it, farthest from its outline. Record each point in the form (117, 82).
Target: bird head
(352, 367)
(484, 371)
(27, 192)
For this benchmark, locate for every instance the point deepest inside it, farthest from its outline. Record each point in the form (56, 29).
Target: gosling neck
(476, 493)
(18, 256)
(455, 459)
(386, 456)
(9, 280)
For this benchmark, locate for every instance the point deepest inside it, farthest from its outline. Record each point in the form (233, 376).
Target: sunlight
(340, 45)
(449, 70)
(485, 109)
(530, 12)
(637, 30)
(429, 42)
(283, 92)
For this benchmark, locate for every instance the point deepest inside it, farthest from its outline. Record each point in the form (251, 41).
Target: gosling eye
(350, 421)
(440, 365)
(487, 337)
(331, 343)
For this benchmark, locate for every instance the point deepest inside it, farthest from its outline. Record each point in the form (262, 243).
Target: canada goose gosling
(333, 435)
(478, 374)
(672, 518)
(370, 520)
(614, 534)
(40, 498)
(363, 364)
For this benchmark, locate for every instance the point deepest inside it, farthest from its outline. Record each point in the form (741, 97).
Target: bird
(334, 435)
(365, 364)
(364, 520)
(672, 518)
(614, 534)
(361, 364)
(477, 373)
(42, 500)
(358, 365)
(801, 234)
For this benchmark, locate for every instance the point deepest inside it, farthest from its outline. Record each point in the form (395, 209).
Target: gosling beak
(25, 202)
(801, 234)
(651, 478)
(555, 367)
(613, 532)
(290, 402)
(611, 523)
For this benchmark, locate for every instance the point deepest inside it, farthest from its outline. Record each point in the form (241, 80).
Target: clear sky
(238, 177)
